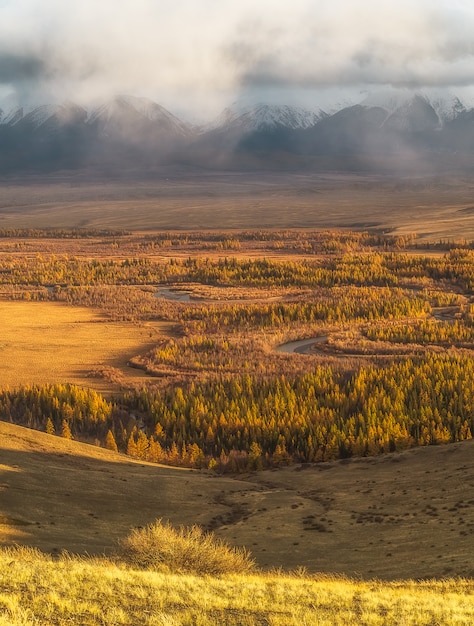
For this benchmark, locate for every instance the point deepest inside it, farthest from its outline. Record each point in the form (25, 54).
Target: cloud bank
(202, 54)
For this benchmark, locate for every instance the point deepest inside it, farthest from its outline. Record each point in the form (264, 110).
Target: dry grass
(53, 343)
(92, 497)
(35, 589)
(161, 547)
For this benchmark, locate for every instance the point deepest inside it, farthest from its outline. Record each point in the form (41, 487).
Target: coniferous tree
(132, 446)
(50, 427)
(110, 443)
(65, 430)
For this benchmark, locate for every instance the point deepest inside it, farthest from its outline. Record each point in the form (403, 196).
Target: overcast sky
(200, 55)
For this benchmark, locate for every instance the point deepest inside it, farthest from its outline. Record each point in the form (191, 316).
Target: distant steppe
(401, 515)
(435, 206)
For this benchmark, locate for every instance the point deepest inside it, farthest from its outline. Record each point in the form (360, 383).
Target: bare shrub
(185, 549)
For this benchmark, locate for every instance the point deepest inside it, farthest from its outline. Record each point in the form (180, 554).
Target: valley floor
(436, 205)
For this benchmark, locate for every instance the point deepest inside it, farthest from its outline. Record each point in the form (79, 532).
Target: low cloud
(400, 44)
(192, 54)
(15, 68)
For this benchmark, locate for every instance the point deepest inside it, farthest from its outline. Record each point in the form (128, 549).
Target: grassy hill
(401, 516)
(59, 494)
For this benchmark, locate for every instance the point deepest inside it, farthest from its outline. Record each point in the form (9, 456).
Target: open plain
(433, 206)
(49, 342)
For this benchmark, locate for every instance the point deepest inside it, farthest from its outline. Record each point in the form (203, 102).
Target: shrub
(186, 549)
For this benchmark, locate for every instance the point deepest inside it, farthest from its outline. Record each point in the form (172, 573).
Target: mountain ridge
(131, 131)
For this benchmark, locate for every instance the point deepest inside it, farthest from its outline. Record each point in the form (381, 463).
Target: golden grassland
(92, 496)
(48, 342)
(37, 589)
(349, 282)
(397, 516)
(38, 265)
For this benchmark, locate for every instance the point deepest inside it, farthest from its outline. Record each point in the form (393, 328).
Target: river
(302, 346)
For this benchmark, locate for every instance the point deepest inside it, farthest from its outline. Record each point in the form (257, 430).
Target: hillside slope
(405, 515)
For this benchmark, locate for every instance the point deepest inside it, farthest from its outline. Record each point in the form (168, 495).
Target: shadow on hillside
(57, 500)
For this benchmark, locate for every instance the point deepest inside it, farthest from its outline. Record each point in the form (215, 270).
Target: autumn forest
(275, 347)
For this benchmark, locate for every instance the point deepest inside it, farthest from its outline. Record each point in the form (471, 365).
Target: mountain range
(131, 132)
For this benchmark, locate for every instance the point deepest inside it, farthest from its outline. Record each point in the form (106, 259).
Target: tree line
(423, 332)
(252, 420)
(332, 305)
(370, 269)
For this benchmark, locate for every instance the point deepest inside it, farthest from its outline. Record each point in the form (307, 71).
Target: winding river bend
(174, 294)
(302, 346)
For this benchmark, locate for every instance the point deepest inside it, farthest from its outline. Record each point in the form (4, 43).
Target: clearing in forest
(49, 342)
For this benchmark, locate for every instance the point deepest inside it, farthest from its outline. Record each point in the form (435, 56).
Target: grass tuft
(161, 547)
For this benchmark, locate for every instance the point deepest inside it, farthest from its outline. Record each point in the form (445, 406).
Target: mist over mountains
(398, 129)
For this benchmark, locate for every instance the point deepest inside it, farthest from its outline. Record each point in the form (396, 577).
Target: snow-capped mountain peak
(40, 115)
(127, 130)
(388, 99)
(123, 109)
(261, 116)
(36, 115)
(447, 106)
(10, 116)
